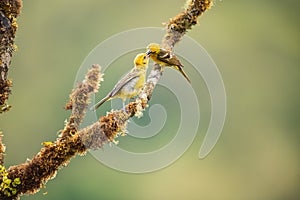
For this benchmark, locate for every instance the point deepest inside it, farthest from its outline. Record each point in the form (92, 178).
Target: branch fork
(29, 177)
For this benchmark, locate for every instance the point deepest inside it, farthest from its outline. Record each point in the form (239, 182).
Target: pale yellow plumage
(131, 84)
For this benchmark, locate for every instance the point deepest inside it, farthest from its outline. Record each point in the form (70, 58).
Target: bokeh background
(256, 46)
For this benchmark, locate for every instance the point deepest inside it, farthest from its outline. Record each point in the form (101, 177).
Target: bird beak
(148, 52)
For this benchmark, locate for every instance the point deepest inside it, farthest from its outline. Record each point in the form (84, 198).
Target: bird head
(141, 61)
(153, 48)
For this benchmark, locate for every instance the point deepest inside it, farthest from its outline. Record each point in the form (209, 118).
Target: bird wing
(168, 57)
(124, 81)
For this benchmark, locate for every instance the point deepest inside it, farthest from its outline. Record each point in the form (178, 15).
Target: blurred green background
(256, 46)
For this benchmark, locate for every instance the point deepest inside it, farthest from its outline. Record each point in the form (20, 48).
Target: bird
(131, 84)
(164, 58)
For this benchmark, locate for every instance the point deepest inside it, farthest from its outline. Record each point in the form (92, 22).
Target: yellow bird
(164, 57)
(131, 84)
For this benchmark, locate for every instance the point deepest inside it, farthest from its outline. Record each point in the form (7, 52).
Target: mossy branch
(29, 177)
(9, 10)
(43, 166)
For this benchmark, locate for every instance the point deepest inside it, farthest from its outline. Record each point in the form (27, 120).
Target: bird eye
(144, 57)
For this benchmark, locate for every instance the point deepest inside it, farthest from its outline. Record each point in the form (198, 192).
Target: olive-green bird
(131, 84)
(164, 57)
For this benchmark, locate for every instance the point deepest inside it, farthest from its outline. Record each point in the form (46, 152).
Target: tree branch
(29, 177)
(9, 10)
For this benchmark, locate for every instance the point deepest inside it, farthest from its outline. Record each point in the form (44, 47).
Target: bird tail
(179, 68)
(97, 105)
